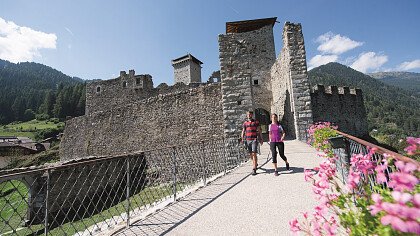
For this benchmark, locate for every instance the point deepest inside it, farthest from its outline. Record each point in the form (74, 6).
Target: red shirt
(250, 127)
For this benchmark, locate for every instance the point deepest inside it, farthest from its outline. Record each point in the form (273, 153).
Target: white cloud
(369, 60)
(321, 60)
(335, 43)
(409, 65)
(19, 43)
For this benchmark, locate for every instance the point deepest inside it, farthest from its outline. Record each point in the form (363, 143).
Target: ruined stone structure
(128, 114)
(290, 85)
(187, 69)
(330, 103)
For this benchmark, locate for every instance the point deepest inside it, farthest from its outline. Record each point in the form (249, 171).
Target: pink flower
(376, 208)
(308, 174)
(380, 175)
(402, 181)
(396, 222)
(294, 225)
(400, 197)
(410, 226)
(416, 200)
(405, 167)
(414, 144)
(362, 162)
(353, 179)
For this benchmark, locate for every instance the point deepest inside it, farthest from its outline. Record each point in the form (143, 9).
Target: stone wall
(163, 120)
(342, 106)
(291, 85)
(245, 58)
(101, 95)
(195, 72)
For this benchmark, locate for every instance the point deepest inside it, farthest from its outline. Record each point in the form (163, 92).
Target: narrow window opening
(239, 102)
(255, 82)
(124, 84)
(98, 89)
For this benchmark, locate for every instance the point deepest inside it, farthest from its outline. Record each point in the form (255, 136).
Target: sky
(96, 39)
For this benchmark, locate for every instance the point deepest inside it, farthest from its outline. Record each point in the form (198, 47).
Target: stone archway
(263, 116)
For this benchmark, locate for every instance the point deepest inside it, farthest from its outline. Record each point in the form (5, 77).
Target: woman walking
(276, 135)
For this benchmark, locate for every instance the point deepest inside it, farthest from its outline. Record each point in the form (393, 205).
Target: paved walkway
(241, 204)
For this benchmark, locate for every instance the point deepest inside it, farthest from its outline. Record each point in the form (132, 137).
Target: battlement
(336, 90)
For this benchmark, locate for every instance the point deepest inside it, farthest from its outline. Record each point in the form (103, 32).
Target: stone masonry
(245, 61)
(163, 120)
(330, 103)
(128, 114)
(290, 85)
(187, 69)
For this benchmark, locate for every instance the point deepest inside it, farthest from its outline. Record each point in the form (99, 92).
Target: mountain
(392, 112)
(409, 81)
(31, 88)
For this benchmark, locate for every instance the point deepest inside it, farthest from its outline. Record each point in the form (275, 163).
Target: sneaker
(276, 173)
(254, 172)
(287, 166)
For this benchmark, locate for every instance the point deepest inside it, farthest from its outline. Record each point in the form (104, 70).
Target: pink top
(276, 131)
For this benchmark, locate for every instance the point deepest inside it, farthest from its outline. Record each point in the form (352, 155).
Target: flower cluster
(381, 196)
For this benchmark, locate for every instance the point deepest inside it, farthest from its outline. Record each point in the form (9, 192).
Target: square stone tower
(246, 54)
(187, 69)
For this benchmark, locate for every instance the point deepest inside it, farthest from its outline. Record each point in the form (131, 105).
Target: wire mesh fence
(355, 146)
(89, 196)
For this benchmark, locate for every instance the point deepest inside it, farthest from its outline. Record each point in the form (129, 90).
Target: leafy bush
(47, 133)
(42, 116)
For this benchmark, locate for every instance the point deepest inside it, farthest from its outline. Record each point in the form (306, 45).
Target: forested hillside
(406, 80)
(393, 113)
(31, 89)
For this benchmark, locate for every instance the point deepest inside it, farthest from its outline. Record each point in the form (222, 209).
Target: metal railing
(353, 145)
(89, 196)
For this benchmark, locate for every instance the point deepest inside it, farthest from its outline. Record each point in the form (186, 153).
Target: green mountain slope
(31, 88)
(406, 80)
(393, 113)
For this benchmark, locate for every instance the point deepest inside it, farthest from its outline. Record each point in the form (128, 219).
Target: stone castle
(129, 114)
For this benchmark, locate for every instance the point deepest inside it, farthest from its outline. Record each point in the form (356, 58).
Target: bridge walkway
(239, 203)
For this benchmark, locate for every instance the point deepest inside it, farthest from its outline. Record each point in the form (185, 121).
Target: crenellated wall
(127, 88)
(342, 106)
(163, 120)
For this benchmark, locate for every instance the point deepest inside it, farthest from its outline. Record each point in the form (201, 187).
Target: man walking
(251, 134)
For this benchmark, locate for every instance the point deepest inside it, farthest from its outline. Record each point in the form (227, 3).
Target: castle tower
(187, 69)
(246, 54)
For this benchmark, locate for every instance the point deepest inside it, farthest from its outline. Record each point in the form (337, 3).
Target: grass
(49, 156)
(28, 129)
(14, 193)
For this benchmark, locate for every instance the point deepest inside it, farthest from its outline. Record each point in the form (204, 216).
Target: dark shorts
(251, 146)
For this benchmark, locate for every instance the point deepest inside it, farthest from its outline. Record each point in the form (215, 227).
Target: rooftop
(249, 25)
(188, 56)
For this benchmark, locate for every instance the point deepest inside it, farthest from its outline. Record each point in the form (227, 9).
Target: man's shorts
(252, 146)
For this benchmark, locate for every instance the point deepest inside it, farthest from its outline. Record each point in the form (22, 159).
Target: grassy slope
(27, 129)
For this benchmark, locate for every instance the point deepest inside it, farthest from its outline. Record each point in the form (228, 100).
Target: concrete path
(241, 204)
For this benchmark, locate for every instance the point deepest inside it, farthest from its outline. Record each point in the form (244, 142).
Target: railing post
(225, 154)
(174, 170)
(127, 170)
(204, 164)
(46, 202)
(238, 149)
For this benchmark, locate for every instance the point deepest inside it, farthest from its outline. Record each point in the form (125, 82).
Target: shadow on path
(163, 221)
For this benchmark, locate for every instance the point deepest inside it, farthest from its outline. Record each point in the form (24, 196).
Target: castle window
(138, 81)
(98, 89)
(255, 82)
(239, 102)
(124, 84)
